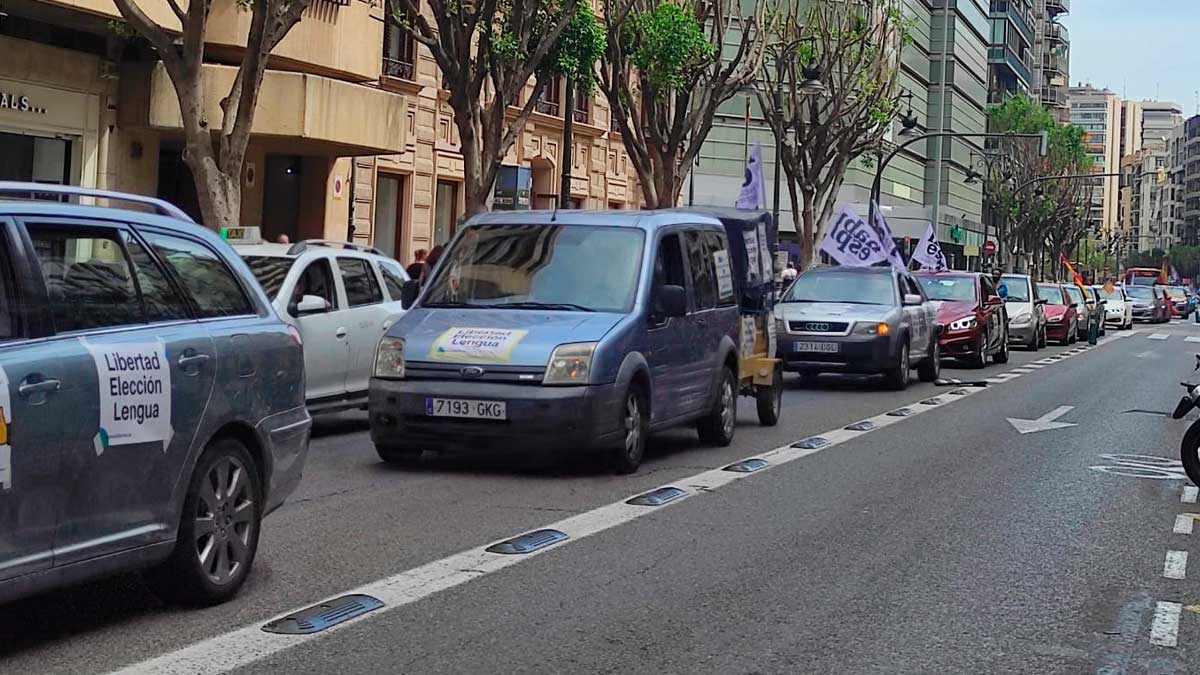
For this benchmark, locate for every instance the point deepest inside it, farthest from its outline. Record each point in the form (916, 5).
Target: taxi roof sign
(242, 235)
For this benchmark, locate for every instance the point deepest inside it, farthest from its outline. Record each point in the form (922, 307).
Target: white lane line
(1022, 370)
(249, 643)
(1191, 338)
(1164, 631)
(1157, 336)
(1184, 523)
(1175, 565)
(1190, 492)
(1034, 365)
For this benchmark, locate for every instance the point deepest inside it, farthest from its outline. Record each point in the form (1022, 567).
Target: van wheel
(218, 533)
(931, 367)
(627, 457)
(398, 455)
(716, 428)
(769, 400)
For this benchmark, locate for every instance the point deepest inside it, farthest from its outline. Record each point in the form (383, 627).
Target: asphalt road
(946, 542)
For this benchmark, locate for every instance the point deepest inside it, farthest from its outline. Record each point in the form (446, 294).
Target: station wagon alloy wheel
(224, 520)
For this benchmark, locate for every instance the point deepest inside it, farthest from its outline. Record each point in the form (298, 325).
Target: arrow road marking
(1146, 355)
(1044, 423)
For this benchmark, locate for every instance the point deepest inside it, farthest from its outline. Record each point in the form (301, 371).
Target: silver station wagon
(151, 401)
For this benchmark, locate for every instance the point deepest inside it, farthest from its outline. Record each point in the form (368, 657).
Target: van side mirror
(912, 300)
(408, 293)
(672, 300)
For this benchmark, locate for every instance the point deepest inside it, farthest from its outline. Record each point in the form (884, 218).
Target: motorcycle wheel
(1189, 453)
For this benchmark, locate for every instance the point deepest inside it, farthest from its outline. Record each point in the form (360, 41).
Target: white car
(1118, 308)
(341, 297)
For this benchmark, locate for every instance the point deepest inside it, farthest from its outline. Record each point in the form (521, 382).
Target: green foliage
(121, 29)
(667, 45)
(580, 46)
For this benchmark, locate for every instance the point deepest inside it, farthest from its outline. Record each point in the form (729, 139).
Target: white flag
(929, 251)
(852, 242)
(891, 250)
(753, 194)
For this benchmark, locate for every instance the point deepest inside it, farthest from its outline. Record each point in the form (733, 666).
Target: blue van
(564, 331)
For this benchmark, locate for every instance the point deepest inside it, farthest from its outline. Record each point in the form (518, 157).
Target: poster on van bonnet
(135, 393)
(475, 345)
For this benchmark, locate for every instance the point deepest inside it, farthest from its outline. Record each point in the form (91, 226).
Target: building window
(551, 97)
(445, 217)
(399, 47)
(583, 107)
(389, 214)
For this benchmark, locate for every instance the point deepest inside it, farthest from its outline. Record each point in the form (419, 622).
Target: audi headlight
(1020, 320)
(570, 364)
(389, 358)
(965, 323)
(871, 328)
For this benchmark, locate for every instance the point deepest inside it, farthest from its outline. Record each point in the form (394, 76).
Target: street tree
(668, 66)
(1049, 216)
(829, 92)
(489, 53)
(215, 150)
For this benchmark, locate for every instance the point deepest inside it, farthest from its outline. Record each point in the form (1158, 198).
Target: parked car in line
(1147, 304)
(341, 297)
(1098, 309)
(973, 318)
(1062, 319)
(1180, 301)
(865, 320)
(1118, 310)
(565, 332)
(1026, 316)
(1083, 312)
(151, 401)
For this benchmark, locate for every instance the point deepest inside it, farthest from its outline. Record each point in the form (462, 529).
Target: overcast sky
(1138, 48)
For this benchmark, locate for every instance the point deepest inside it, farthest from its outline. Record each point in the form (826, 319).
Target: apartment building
(1051, 56)
(1010, 55)
(1187, 169)
(1098, 112)
(912, 179)
(352, 137)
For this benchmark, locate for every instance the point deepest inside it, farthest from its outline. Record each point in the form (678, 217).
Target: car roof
(948, 273)
(824, 269)
(643, 220)
(25, 208)
(264, 249)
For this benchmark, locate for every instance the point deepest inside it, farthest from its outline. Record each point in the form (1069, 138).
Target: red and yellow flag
(1078, 280)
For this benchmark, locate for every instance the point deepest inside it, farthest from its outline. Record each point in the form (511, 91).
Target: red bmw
(972, 315)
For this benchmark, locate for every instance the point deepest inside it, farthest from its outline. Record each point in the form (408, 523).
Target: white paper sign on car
(765, 247)
(494, 345)
(753, 256)
(747, 336)
(135, 393)
(724, 274)
(6, 477)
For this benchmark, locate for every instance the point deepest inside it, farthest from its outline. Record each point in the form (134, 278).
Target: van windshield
(556, 267)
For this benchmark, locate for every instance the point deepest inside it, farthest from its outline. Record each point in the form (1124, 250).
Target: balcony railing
(1053, 63)
(398, 68)
(1017, 13)
(1057, 32)
(582, 116)
(1003, 55)
(1054, 96)
(1056, 7)
(547, 107)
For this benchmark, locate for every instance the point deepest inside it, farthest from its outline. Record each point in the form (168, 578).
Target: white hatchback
(342, 297)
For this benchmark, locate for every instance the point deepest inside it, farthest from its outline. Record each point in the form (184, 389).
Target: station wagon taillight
(295, 335)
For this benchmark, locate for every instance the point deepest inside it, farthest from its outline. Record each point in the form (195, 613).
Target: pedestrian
(417, 267)
(997, 279)
(789, 275)
(431, 262)
(282, 239)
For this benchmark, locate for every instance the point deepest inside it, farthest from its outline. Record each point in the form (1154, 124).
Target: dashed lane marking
(1164, 631)
(1192, 338)
(1190, 492)
(1175, 565)
(1184, 523)
(1157, 336)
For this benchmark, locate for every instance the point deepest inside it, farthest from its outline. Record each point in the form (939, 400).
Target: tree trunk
(809, 254)
(474, 191)
(220, 196)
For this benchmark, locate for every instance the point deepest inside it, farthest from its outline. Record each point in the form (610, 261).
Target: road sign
(989, 247)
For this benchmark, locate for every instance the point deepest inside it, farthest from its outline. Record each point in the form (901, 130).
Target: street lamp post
(989, 161)
(877, 186)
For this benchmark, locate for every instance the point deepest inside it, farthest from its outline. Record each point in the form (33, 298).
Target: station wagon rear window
(547, 267)
(862, 289)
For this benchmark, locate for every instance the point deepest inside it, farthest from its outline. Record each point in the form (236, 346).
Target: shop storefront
(48, 134)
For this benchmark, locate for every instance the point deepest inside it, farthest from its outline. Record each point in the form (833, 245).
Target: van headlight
(570, 364)
(389, 358)
(1021, 320)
